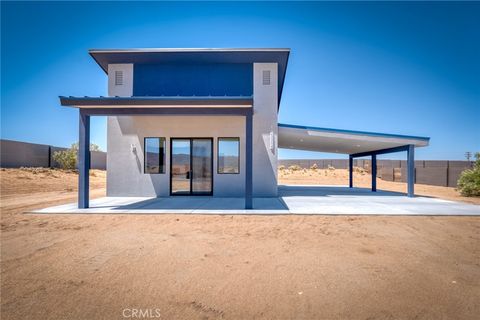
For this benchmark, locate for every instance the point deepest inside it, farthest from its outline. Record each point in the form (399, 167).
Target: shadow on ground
(327, 191)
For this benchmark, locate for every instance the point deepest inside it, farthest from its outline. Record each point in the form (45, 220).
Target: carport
(354, 143)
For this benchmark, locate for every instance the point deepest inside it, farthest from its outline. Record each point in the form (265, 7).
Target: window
(154, 155)
(228, 155)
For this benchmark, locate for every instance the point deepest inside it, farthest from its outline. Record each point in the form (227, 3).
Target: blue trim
(374, 172)
(162, 100)
(410, 148)
(249, 161)
(83, 160)
(381, 151)
(374, 134)
(166, 111)
(350, 171)
(411, 170)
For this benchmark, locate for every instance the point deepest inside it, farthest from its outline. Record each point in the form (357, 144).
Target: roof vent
(266, 77)
(118, 78)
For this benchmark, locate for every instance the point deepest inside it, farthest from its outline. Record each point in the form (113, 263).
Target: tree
(469, 181)
(68, 158)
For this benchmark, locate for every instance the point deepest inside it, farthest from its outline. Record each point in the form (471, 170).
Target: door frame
(191, 193)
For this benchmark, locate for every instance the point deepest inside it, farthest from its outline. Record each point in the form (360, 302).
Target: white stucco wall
(126, 89)
(265, 122)
(125, 175)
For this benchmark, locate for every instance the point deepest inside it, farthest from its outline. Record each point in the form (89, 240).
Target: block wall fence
(443, 173)
(16, 154)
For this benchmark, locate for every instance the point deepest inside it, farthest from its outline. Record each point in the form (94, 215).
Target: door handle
(188, 175)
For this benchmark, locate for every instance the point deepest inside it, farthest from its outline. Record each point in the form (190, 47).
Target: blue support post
(350, 171)
(411, 170)
(374, 172)
(249, 161)
(83, 160)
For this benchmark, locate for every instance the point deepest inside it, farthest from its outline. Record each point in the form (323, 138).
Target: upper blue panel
(186, 56)
(223, 79)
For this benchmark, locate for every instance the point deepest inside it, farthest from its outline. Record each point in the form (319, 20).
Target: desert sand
(229, 267)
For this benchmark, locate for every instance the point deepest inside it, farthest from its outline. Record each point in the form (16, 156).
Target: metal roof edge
(377, 134)
(173, 50)
(70, 100)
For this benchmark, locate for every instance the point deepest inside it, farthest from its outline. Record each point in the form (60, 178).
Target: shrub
(67, 159)
(281, 168)
(469, 181)
(359, 170)
(314, 167)
(294, 168)
(331, 168)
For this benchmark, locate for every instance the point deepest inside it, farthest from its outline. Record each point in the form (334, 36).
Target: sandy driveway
(302, 267)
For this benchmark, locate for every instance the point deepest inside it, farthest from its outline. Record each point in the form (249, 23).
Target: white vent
(266, 77)
(118, 78)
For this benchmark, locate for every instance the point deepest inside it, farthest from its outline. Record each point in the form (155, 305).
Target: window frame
(218, 154)
(164, 167)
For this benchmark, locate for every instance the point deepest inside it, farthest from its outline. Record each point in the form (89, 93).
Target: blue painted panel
(231, 79)
(249, 161)
(411, 170)
(83, 160)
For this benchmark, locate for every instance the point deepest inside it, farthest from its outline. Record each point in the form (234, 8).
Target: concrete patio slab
(324, 200)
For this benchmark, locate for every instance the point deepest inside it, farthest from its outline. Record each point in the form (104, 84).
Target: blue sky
(402, 67)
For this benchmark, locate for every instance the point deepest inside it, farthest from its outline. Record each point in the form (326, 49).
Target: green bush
(68, 158)
(469, 181)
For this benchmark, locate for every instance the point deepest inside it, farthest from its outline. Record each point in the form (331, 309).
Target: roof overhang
(195, 55)
(156, 102)
(341, 141)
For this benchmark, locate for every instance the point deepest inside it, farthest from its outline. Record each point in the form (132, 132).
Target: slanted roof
(195, 55)
(341, 141)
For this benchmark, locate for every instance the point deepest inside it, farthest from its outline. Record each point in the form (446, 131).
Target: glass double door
(191, 166)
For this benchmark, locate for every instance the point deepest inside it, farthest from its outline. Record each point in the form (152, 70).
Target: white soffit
(341, 141)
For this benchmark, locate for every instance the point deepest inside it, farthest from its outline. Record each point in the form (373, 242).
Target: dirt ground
(228, 267)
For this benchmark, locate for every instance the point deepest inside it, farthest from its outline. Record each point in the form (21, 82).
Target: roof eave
(155, 101)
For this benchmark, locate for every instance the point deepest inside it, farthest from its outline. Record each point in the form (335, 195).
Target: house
(205, 122)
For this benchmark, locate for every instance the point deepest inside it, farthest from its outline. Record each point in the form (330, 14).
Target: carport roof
(341, 141)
